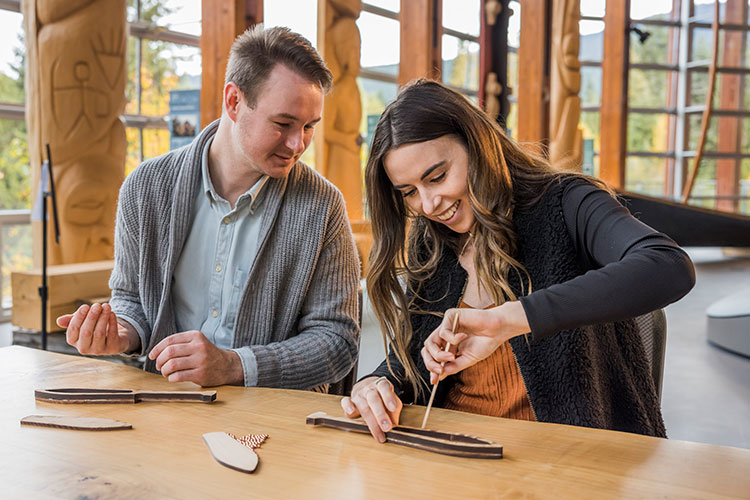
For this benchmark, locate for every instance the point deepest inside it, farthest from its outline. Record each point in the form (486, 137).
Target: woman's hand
(373, 398)
(479, 332)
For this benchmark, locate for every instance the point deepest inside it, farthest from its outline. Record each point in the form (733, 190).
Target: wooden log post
(533, 73)
(221, 22)
(614, 113)
(730, 98)
(420, 50)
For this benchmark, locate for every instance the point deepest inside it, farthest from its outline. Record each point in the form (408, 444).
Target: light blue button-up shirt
(213, 268)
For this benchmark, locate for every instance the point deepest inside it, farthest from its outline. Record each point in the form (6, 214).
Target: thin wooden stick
(434, 387)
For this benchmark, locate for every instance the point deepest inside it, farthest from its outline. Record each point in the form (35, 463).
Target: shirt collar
(208, 188)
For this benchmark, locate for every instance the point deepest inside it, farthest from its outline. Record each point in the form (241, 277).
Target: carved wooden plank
(75, 423)
(445, 443)
(230, 452)
(76, 395)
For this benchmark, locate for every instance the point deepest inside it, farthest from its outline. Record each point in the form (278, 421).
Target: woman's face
(431, 177)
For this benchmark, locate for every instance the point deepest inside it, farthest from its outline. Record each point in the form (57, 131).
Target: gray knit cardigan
(298, 311)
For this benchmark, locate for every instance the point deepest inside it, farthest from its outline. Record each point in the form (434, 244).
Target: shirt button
(215, 313)
(218, 268)
(227, 220)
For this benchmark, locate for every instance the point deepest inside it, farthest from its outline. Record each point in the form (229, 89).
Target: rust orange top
(494, 387)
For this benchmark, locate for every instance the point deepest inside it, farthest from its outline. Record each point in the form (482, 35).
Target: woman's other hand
(373, 399)
(479, 332)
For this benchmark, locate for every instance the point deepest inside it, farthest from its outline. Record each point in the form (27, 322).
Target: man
(234, 262)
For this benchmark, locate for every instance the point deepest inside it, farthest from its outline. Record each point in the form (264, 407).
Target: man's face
(274, 133)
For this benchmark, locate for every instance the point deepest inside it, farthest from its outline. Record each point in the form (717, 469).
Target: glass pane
(705, 184)
(702, 47)
(645, 175)
(513, 72)
(511, 122)
(380, 43)
(308, 157)
(132, 13)
(460, 63)
(392, 5)
(15, 174)
(725, 84)
(166, 67)
(695, 122)
(514, 25)
(592, 40)
(133, 155)
(704, 10)
(298, 15)
(649, 88)
(182, 15)
(155, 142)
(744, 204)
(592, 8)
(462, 16)
(17, 245)
(660, 47)
(652, 9)
(590, 124)
(375, 97)
(648, 132)
(12, 50)
(591, 86)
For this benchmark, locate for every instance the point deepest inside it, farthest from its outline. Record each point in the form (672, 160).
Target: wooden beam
(221, 22)
(730, 97)
(614, 93)
(533, 74)
(421, 28)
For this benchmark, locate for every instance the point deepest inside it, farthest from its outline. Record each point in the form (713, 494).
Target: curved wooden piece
(445, 443)
(76, 395)
(709, 106)
(75, 423)
(231, 453)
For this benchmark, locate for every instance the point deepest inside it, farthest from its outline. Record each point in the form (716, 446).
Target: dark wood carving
(445, 443)
(75, 395)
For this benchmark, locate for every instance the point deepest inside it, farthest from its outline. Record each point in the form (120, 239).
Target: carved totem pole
(75, 93)
(565, 83)
(342, 110)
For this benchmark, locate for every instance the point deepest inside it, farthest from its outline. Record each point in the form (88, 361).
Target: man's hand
(94, 330)
(191, 357)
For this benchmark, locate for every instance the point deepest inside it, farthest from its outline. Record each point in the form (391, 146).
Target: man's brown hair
(257, 51)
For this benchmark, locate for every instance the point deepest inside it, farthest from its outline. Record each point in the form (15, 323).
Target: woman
(546, 268)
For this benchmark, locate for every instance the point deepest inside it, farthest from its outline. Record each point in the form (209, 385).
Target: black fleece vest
(592, 376)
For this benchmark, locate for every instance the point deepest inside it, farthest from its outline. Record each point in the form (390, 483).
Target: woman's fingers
(392, 403)
(350, 409)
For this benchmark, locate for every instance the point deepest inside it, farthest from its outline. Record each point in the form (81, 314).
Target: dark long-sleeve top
(622, 254)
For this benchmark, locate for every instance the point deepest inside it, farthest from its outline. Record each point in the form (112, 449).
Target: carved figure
(565, 83)
(492, 91)
(343, 107)
(492, 9)
(76, 92)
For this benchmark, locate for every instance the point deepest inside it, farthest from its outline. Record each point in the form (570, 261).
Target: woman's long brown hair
(500, 175)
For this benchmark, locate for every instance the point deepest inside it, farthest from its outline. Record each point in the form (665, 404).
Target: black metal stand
(43, 290)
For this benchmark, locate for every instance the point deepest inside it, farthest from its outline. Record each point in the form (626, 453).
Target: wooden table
(164, 455)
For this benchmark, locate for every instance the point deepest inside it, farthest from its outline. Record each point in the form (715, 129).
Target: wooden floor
(706, 395)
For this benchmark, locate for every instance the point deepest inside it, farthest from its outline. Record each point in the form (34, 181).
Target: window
(590, 52)
(15, 195)
(460, 46)
(163, 55)
(379, 65)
